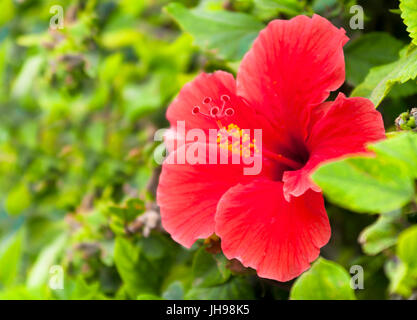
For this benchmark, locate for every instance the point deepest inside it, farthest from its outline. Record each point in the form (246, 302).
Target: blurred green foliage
(79, 108)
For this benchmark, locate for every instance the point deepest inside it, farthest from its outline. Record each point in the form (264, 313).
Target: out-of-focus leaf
(10, 259)
(235, 288)
(366, 184)
(175, 291)
(7, 11)
(398, 274)
(135, 269)
(227, 34)
(321, 6)
(380, 80)
(403, 273)
(271, 8)
(409, 15)
(407, 248)
(18, 199)
(326, 280)
(80, 290)
(22, 292)
(370, 50)
(380, 235)
(148, 297)
(39, 272)
(209, 269)
(26, 77)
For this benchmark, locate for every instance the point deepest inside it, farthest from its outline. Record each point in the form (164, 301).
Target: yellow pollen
(241, 142)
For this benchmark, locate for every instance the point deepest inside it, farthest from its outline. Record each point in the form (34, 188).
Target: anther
(196, 110)
(214, 111)
(207, 100)
(229, 112)
(225, 98)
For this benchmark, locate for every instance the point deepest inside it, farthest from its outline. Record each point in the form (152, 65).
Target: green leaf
(409, 15)
(370, 50)
(135, 269)
(10, 259)
(39, 273)
(380, 80)
(228, 34)
(271, 8)
(175, 291)
(26, 77)
(326, 280)
(234, 289)
(403, 273)
(407, 248)
(79, 289)
(400, 280)
(402, 147)
(380, 235)
(209, 269)
(18, 199)
(366, 184)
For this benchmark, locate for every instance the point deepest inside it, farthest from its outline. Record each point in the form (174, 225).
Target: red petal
(193, 94)
(293, 64)
(344, 129)
(261, 229)
(188, 193)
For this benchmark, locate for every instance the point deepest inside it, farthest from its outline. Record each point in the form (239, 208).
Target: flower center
(234, 139)
(237, 141)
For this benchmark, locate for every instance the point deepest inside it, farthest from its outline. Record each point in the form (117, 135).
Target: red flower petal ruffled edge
(261, 229)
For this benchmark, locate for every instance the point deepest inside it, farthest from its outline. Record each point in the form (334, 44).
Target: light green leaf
(409, 15)
(380, 235)
(380, 80)
(7, 11)
(370, 50)
(366, 184)
(407, 248)
(228, 34)
(26, 77)
(10, 259)
(399, 276)
(326, 280)
(39, 273)
(271, 8)
(402, 147)
(18, 199)
(403, 273)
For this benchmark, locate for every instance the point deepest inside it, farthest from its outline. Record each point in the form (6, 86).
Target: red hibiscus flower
(274, 222)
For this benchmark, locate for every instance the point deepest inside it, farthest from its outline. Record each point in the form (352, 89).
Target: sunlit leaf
(227, 34)
(409, 15)
(380, 80)
(325, 280)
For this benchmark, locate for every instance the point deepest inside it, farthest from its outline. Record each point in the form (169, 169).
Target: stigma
(215, 112)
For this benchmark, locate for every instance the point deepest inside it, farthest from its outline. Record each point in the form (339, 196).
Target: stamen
(229, 112)
(225, 98)
(196, 110)
(236, 140)
(207, 100)
(213, 111)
